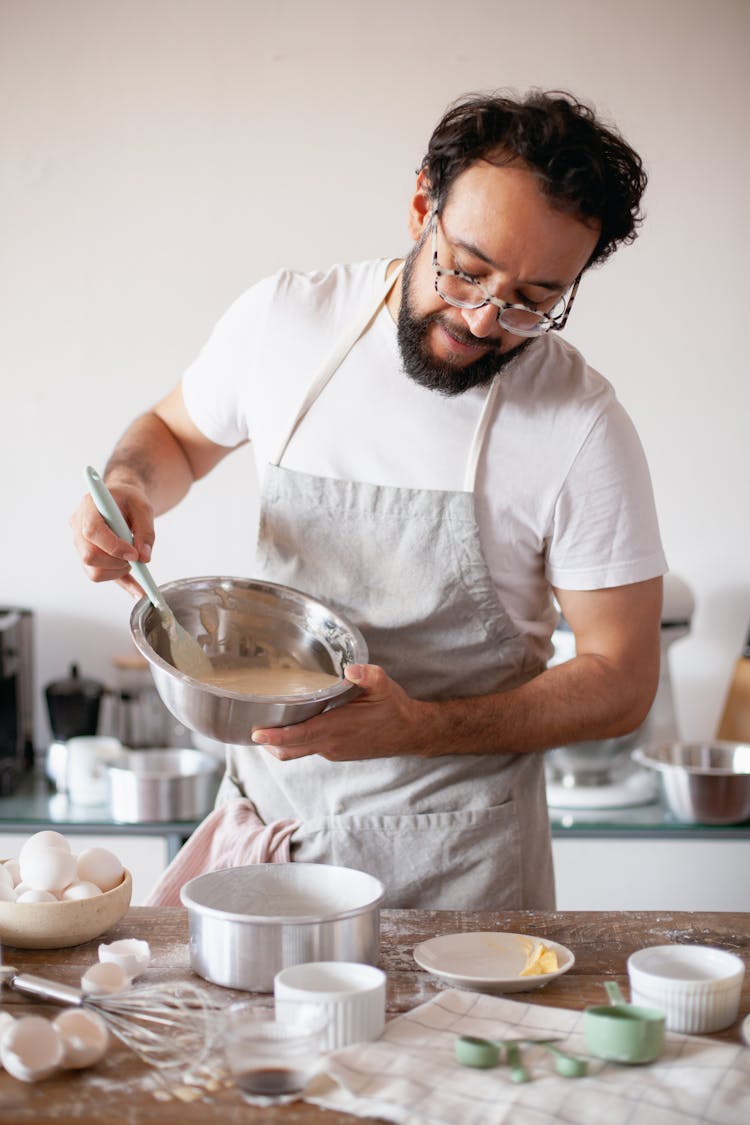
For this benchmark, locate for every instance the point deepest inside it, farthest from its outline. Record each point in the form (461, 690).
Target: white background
(158, 156)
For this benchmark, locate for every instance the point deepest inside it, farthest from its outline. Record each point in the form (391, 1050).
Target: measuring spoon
(187, 655)
(471, 1050)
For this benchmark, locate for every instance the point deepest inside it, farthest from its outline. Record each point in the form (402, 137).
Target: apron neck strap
(337, 356)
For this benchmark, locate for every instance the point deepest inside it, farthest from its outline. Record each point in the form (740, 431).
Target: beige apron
(451, 832)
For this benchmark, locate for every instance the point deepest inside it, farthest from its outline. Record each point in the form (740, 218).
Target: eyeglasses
(460, 290)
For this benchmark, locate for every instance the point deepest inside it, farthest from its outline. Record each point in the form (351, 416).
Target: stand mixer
(601, 774)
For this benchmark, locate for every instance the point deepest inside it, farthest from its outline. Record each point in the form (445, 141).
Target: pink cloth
(233, 835)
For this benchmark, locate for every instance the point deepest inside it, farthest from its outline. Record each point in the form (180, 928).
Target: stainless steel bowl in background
(253, 623)
(703, 782)
(247, 923)
(161, 784)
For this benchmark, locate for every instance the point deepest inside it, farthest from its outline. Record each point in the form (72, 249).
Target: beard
(439, 375)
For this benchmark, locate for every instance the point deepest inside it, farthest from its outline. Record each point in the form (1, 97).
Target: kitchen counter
(639, 821)
(121, 1089)
(35, 805)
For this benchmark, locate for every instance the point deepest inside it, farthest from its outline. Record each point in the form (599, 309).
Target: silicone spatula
(187, 655)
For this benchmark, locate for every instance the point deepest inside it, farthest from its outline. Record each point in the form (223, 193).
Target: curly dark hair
(584, 167)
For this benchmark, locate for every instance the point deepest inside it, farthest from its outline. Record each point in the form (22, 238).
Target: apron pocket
(461, 860)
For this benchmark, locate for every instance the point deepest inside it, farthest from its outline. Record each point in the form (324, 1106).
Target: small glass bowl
(270, 1057)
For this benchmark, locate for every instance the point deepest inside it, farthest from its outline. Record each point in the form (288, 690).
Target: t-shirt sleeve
(606, 531)
(215, 386)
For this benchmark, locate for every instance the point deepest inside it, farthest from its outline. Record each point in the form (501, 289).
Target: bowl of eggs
(51, 898)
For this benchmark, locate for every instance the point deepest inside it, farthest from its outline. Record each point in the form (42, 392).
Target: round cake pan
(248, 923)
(161, 784)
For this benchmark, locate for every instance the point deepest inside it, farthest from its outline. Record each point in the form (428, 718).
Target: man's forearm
(582, 699)
(148, 456)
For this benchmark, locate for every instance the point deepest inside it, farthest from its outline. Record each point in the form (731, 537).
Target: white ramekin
(697, 986)
(352, 996)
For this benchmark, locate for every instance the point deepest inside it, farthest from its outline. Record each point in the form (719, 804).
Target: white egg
(11, 866)
(79, 889)
(45, 839)
(130, 954)
(6, 1021)
(6, 879)
(84, 1037)
(7, 894)
(104, 978)
(31, 1049)
(47, 868)
(33, 895)
(100, 866)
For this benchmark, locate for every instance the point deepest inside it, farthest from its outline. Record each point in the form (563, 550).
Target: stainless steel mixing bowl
(703, 782)
(158, 784)
(256, 624)
(247, 923)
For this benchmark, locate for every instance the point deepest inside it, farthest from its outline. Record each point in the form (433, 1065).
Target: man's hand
(106, 557)
(605, 691)
(382, 722)
(152, 467)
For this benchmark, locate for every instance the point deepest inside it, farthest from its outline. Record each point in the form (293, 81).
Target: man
(454, 466)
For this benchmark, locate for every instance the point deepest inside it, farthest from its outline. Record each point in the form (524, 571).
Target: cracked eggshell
(6, 878)
(31, 1049)
(84, 1037)
(48, 869)
(6, 1021)
(100, 866)
(130, 954)
(103, 979)
(7, 894)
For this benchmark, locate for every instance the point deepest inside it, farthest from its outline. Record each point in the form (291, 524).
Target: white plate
(488, 962)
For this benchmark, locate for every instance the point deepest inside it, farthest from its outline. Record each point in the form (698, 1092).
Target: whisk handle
(44, 989)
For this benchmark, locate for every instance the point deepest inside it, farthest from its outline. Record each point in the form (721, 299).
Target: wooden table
(120, 1089)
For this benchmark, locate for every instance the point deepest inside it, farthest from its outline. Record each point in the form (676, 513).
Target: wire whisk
(167, 1025)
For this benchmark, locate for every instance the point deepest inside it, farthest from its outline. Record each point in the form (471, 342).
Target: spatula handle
(113, 517)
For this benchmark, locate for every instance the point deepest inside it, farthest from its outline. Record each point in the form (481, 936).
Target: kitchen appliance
(73, 705)
(132, 710)
(601, 774)
(16, 696)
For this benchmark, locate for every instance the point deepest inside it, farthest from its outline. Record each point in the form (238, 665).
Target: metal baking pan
(161, 784)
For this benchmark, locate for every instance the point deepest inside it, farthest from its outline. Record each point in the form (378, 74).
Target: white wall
(160, 155)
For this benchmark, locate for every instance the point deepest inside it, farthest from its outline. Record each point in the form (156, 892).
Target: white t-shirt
(563, 494)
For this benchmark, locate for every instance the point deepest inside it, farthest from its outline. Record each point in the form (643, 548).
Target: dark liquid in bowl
(272, 1081)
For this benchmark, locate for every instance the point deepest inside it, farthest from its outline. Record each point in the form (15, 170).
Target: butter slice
(540, 959)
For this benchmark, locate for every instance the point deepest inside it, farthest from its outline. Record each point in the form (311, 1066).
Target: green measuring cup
(621, 1032)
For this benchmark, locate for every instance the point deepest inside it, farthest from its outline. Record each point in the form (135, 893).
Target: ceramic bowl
(253, 623)
(57, 925)
(351, 995)
(696, 986)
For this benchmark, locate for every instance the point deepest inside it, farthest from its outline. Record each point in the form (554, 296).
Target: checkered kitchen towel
(410, 1074)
